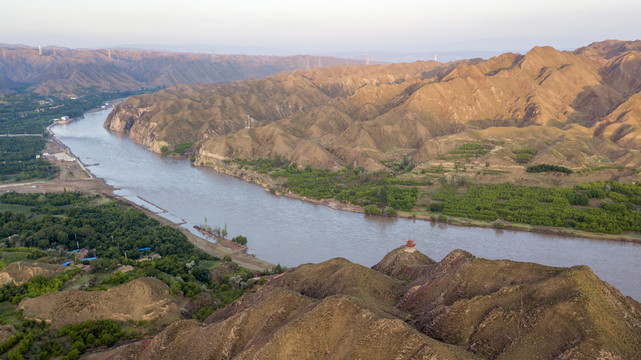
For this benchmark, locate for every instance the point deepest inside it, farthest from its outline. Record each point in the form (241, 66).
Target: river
(290, 231)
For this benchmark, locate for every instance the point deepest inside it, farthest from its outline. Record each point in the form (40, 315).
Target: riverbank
(74, 176)
(273, 186)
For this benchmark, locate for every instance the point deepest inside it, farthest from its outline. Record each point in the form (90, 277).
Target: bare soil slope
(141, 299)
(276, 323)
(511, 310)
(461, 307)
(576, 108)
(20, 272)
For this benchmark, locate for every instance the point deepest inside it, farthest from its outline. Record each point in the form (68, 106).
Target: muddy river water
(290, 231)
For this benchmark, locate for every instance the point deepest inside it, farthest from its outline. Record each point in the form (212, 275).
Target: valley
(101, 260)
(545, 119)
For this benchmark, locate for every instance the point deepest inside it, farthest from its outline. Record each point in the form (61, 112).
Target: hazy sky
(291, 27)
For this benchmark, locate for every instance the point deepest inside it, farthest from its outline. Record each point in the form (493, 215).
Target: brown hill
(66, 72)
(506, 309)
(275, 323)
(462, 307)
(374, 291)
(402, 263)
(141, 299)
(575, 108)
(20, 272)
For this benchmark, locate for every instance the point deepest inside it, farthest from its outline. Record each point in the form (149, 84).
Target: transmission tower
(39, 50)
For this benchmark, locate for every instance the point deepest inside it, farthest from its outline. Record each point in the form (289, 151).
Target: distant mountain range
(67, 72)
(579, 109)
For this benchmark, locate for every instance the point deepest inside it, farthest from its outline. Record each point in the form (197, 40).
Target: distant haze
(284, 27)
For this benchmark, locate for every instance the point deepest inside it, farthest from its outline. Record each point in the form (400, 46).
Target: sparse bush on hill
(525, 155)
(548, 168)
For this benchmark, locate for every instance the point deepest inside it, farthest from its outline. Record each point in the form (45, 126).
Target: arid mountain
(506, 309)
(578, 109)
(461, 307)
(59, 71)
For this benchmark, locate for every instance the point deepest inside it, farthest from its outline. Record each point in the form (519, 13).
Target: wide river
(290, 232)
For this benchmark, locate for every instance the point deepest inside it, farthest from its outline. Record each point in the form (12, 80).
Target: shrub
(371, 210)
(389, 211)
(242, 240)
(548, 168)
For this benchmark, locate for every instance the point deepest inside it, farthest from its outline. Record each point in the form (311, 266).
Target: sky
(286, 27)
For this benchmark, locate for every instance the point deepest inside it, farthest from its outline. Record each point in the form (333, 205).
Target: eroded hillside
(461, 307)
(576, 109)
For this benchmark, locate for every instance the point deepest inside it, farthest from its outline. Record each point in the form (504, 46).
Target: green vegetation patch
(467, 150)
(548, 168)
(350, 185)
(19, 162)
(609, 167)
(182, 148)
(68, 220)
(55, 222)
(405, 165)
(9, 255)
(562, 207)
(435, 170)
(36, 286)
(29, 113)
(525, 155)
(179, 149)
(18, 209)
(89, 334)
